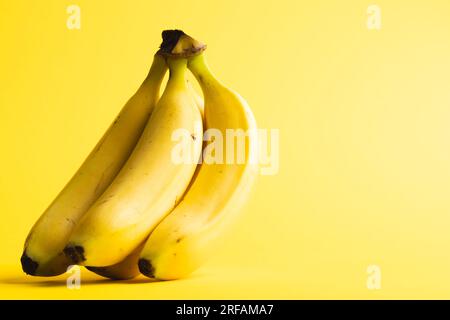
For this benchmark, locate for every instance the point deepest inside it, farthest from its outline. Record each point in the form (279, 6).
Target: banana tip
(146, 268)
(75, 253)
(29, 266)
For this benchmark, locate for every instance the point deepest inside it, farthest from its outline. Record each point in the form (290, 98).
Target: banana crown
(177, 44)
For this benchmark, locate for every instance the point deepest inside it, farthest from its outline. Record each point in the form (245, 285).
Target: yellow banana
(198, 99)
(186, 237)
(128, 268)
(148, 186)
(124, 270)
(42, 255)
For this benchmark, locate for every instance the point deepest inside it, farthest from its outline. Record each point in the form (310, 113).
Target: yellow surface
(364, 119)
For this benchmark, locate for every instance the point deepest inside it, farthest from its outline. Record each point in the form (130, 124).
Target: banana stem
(155, 76)
(177, 72)
(158, 69)
(200, 69)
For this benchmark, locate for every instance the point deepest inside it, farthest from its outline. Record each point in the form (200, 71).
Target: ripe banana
(124, 270)
(42, 255)
(186, 237)
(128, 268)
(148, 186)
(198, 99)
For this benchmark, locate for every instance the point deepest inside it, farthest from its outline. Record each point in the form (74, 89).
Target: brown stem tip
(177, 44)
(146, 268)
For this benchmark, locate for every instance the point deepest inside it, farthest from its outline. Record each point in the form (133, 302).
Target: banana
(148, 186)
(42, 255)
(128, 268)
(198, 99)
(124, 270)
(187, 236)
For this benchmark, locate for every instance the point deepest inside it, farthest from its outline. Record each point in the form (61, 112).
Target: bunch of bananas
(130, 208)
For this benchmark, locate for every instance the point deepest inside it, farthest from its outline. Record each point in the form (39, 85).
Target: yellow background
(364, 119)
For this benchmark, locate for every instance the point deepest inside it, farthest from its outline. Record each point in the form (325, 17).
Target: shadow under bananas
(61, 281)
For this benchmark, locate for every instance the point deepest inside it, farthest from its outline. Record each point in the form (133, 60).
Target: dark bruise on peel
(106, 200)
(146, 268)
(75, 253)
(70, 221)
(29, 266)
